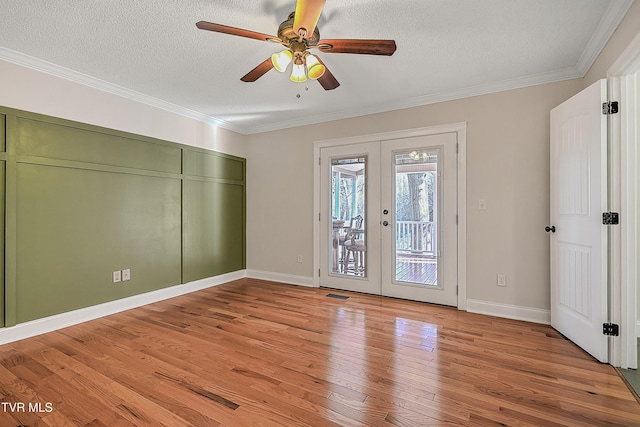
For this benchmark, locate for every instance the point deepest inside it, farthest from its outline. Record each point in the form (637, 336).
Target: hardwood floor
(259, 353)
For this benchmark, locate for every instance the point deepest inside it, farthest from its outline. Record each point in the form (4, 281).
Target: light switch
(502, 280)
(116, 276)
(126, 274)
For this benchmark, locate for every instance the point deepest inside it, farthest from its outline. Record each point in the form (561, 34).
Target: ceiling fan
(298, 34)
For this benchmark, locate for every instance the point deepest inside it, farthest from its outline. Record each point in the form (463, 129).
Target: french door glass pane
(348, 201)
(416, 217)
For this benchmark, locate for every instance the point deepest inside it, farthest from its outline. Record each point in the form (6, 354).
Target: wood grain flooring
(252, 352)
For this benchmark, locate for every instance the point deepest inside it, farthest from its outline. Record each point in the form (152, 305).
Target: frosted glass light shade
(281, 60)
(315, 69)
(298, 74)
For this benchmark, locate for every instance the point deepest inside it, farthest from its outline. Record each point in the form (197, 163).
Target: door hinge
(610, 329)
(610, 107)
(610, 218)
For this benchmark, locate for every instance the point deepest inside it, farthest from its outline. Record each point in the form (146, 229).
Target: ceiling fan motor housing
(289, 36)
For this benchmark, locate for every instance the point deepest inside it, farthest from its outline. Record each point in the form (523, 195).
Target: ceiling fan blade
(366, 47)
(307, 15)
(219, 28)
(259, 71)
(327, 80)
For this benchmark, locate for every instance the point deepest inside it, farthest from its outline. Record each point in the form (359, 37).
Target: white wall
(508, 166)
(30, 90)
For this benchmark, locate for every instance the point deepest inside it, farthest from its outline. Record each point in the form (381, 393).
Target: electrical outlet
(502, 280)
(116, 276)
(299, 257)
(126, 274)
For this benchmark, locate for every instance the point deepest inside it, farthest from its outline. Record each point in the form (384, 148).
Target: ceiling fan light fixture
(315, 69)
(297, 74)
(281, 60)
(299, 33)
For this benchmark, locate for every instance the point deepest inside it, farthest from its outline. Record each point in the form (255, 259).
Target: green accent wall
(213, 165)
(82, 202)
(3, 157)
(214, 239)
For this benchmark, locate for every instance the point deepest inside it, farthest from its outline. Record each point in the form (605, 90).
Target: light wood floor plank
(253, 352)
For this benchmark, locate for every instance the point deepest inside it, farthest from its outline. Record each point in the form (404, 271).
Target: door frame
(624, 79)
(460, 129)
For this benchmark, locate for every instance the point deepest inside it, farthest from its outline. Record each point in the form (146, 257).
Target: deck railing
(416, 237)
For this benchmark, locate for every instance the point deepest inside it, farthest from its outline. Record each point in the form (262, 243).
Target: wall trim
(516, 312)
(40, 65)
(608, 24)
(63, 320)
(281, 277)
(624, 81)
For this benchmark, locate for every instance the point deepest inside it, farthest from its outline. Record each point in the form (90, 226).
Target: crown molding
(605, 29)
(500, 86)
(607, 26)
(86, 80)
(49, 68)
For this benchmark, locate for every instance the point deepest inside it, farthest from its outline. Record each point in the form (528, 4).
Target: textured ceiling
(151, 50)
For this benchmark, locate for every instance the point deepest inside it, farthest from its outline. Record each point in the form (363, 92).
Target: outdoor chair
(354, 247)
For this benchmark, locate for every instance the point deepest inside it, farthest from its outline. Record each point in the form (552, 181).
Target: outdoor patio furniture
(354, 247)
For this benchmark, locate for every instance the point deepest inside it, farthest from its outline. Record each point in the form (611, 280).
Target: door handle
(385, 223)
(551, 229)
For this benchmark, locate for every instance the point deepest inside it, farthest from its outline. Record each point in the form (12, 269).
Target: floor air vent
(336, 296)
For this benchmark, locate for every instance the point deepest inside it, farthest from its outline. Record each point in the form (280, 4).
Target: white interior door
(419, 209)
(578, 177)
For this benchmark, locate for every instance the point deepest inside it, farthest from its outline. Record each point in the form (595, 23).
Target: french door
(388, 218)
(419, 233)
(350, 217)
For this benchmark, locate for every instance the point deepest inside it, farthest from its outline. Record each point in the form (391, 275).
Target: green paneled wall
(82, 202)
(2, 290)
(2, 132)
(213, 165)
(76, 227)
(40, 138)
(214, 238)
(2, 169)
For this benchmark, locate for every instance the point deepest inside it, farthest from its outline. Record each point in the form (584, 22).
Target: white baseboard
(516, 312)
(281, 277)
(63, 320)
